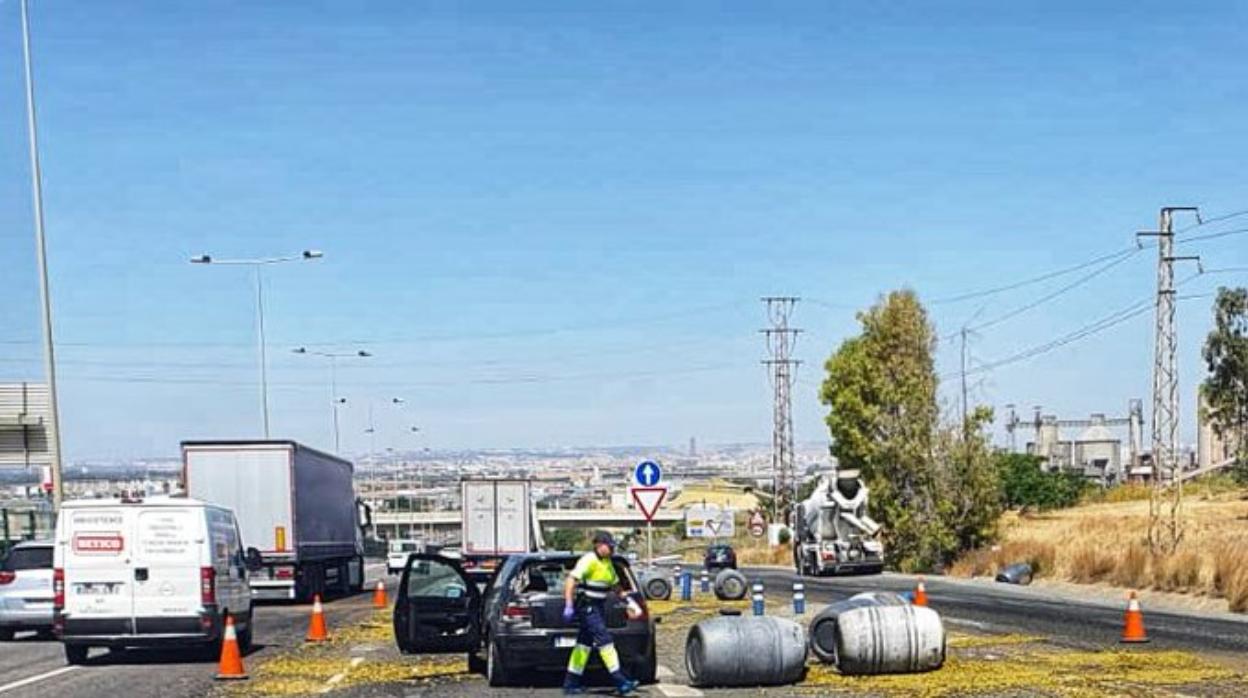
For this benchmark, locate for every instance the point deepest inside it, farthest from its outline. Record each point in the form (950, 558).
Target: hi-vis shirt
(595, 576)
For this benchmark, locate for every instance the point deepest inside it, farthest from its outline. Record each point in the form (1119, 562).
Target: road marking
(672, 690)
(36, 679)
(337, 678)
(969, 623)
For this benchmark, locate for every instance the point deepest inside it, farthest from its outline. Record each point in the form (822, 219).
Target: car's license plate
(97, 589)
(565, 642)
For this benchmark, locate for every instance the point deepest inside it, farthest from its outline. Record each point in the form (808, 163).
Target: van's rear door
(168, 566)
(99, 596)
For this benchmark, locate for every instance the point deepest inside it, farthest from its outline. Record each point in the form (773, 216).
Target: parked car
(397, 552)
(26, 589)
(135, 573)
(516, 621)
(720, 557)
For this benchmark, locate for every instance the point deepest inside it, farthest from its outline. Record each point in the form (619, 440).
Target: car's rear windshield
(720, 549)
(35, 558)
(538, 576)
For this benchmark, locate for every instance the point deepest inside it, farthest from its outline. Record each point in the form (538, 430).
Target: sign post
(648, 495)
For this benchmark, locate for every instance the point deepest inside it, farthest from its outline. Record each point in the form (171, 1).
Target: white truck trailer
(833, 533)
(295, 504)
(499, 519)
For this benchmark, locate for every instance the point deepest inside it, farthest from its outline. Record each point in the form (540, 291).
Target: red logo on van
(99, 543)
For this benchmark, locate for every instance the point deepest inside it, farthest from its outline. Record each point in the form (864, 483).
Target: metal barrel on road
(730, 585)
(655, 586)
(745, 651)
(1019, 573)
(823, 627)
(889, 640)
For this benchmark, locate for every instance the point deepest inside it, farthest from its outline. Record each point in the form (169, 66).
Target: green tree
(972, 499)
(566, 539)
(1025, 483)
(1225, 390)
(881, 393)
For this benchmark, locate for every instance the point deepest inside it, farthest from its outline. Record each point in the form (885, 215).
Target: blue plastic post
(757, 598)
(686, 586)
(706, 581)
(799, 598)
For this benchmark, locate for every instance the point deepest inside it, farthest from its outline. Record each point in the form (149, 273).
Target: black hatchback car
(720, 557)
(516, 620)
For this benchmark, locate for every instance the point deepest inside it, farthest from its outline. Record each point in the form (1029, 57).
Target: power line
(1035, 279)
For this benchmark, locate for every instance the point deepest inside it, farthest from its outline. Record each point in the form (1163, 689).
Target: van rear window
(35, 558)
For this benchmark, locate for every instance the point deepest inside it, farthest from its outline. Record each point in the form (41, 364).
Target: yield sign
(648, 500)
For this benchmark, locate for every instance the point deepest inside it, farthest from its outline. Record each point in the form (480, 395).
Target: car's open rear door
(438, 609)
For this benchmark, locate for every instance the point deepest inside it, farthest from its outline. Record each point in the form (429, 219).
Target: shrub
(1132, 567)
(1237, 592)
(1178, 572)
(975, 563)
(1090, 564)
(1227, 562)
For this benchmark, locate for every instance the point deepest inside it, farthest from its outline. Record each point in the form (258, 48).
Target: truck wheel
(76, 654)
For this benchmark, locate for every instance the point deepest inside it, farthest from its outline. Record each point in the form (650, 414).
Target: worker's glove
(568, 613)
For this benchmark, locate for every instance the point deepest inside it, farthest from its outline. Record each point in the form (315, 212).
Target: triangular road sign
(648, 499)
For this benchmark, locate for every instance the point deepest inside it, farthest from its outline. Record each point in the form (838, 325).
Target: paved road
(1002, 608)
(31, 667)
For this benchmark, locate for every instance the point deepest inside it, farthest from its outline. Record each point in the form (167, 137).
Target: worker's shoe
(572, 686)
(626, 686)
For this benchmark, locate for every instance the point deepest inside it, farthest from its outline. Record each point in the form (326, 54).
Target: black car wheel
(76, 654)
(495, 672)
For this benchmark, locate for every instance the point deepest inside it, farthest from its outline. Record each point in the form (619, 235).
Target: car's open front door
(438, 609)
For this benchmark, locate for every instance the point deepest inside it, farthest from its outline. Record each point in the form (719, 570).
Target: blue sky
(552, 224)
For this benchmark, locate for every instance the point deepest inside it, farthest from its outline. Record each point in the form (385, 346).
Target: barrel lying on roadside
(876, 639)
(730, 585)
(745, 651)
(1018, 573)
(823, 627)
(655, 587)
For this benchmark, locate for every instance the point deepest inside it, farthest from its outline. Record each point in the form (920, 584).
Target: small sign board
(709, 521)
(758, 524)
(648, 473)
(648, 500)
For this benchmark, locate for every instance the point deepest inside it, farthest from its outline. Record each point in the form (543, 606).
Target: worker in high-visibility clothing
(585, 593)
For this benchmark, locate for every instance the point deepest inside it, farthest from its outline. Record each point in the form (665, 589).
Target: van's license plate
(565, 642)
(97, 589)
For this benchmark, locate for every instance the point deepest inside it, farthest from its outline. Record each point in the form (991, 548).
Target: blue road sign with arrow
(648, 473)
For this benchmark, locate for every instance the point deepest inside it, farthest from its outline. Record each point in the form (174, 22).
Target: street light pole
(45, 294)
(258, 264)
(333, 381)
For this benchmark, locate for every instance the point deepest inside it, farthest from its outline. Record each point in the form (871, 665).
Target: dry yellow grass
(986, 562)
(1105, 542)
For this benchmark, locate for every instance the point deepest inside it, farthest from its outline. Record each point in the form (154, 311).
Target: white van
(400, 549)
(129, 572)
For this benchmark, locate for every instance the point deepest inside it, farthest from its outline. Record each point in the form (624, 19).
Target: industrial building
(1096, 451)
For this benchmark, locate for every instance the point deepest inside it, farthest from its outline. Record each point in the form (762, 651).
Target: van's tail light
(58, 588)
(7, 577)
(284, 572)
(207, 586)
(517, 612)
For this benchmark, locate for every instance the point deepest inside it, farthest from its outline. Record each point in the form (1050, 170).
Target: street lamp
(53, 429)
(333, 379)
(258, 265)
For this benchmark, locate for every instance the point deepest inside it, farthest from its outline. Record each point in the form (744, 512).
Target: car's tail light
(58, 588)
(517, 611)
(207, 586)
(7, 577)
(284, 572)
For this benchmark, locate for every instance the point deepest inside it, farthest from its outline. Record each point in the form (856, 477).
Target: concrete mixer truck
(833, 533)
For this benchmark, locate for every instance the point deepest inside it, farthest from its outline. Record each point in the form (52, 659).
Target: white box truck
(294, 503)
(155, 572)
(499, 519)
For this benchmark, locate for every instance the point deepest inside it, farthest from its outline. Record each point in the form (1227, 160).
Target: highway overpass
(443, 523)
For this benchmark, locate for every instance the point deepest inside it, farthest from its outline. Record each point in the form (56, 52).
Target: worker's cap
(604, 538)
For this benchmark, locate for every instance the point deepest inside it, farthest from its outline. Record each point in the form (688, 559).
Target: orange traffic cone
(1133, 621)
(231, 665)
(379, 595)
(317, 631)
(920, 594)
